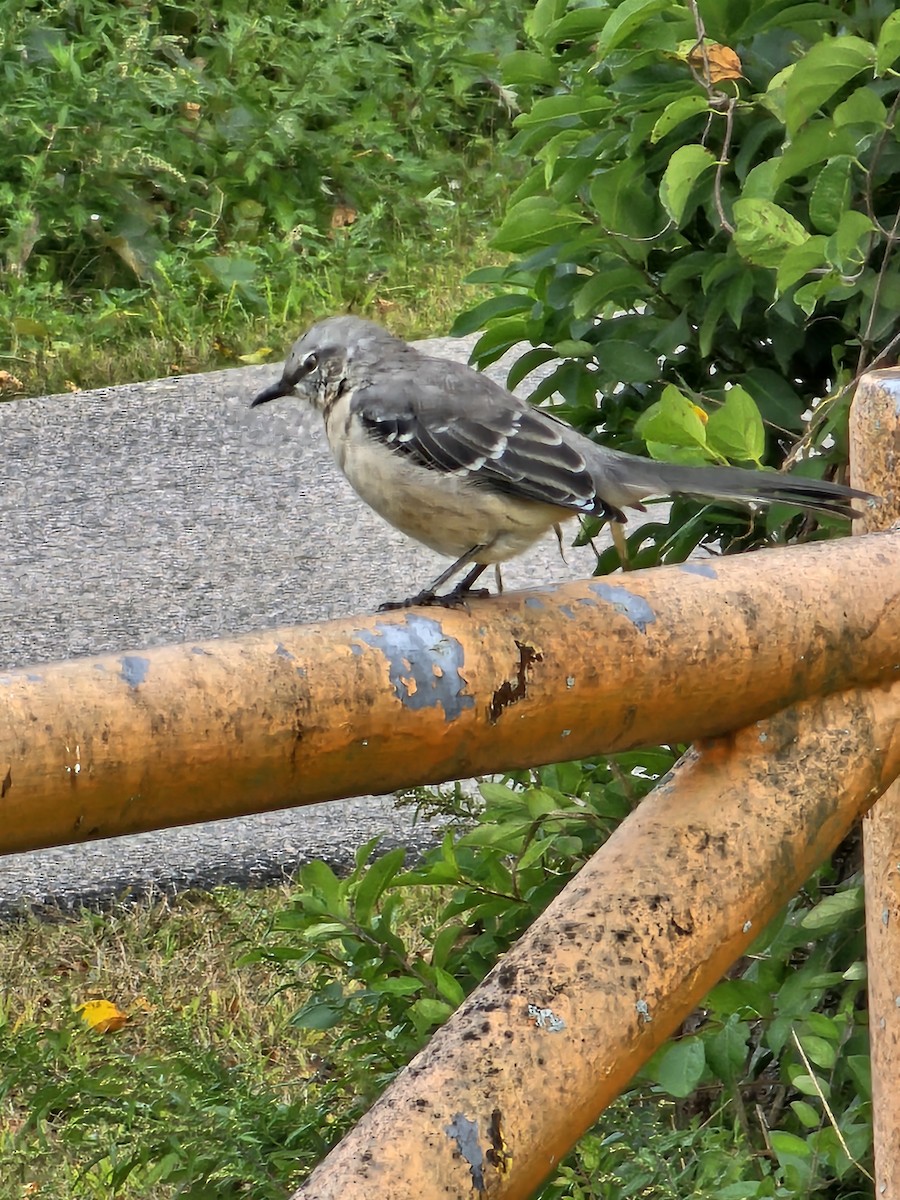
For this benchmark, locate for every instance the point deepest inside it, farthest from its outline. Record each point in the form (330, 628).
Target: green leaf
(578, 24)
(831, 193)
(574, 348)
(736, 428)
(537, 221)
(799, 261)
(685, 167)
(404, 985)
(481, 314)
(824, 70)
(377, 877)
(673, 419)
(814, 145)
(553, 108)
(626, 362)
(806, 1114)
(622, 200)
(449, 987)
(426, 1012)
(678, 111)
(848, 246)
(526, 363)
(318, 877)
(788, 1144)
(542, 16)
(819, 1051)
(840, 911)
(726, 1051)
(318, 1016)
(764, 231)
(864, 107)
(625, 19)
(860, 1067)
(680, 1068)
(528, 67)
(888, 48)
(620, 285)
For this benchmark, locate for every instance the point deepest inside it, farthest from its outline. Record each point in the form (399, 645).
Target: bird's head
(321, 363)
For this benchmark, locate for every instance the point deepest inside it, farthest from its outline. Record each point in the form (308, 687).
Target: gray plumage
(458, 462)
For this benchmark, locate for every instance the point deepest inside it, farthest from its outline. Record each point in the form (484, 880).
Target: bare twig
(827, 1107)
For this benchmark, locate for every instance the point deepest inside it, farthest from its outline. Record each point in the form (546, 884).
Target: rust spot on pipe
(465, 1133)
(499, 1155)
(135, 669)
(634, 608)
(7, 783)
(424, 663)
(511, 691)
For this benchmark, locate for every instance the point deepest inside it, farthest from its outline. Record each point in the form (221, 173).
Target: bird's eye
(310, 362)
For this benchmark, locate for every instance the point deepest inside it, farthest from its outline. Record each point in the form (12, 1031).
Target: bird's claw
(454, 599)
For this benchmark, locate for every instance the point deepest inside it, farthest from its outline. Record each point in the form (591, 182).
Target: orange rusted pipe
(875, 464)
(123, 743)
(621, 957)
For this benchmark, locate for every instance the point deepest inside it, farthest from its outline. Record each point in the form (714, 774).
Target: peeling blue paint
(465, 1133)
(534, 602)
(424, 663)
(635, 608)
(200, 650)
(134, 669)
(283, 652)
(34, 678)
(99, 666)
(700, 568)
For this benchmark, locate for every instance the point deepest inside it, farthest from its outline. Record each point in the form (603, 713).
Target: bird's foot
(456, 599)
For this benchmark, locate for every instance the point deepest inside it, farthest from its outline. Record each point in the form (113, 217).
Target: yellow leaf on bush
(723, 62)
(102, 1015)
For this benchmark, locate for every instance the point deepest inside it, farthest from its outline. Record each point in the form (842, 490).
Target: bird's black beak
(271, 393)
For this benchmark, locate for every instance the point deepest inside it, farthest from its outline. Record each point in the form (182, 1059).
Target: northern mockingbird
(460, 463)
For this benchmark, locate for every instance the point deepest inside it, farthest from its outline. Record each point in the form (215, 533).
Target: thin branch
(827, 1107)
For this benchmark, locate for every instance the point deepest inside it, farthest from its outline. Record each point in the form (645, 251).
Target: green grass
(60, 343)
(206, 1076)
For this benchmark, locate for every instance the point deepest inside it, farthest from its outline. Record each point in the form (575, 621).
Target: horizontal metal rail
(118, 744)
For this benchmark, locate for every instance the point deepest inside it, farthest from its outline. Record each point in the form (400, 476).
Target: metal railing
(782, 667)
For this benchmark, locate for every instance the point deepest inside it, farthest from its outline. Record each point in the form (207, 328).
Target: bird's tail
(636, 483)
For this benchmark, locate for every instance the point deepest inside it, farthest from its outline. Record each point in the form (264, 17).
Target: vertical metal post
(875, 466)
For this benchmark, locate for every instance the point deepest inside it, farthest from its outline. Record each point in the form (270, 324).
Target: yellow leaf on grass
(102, 1015)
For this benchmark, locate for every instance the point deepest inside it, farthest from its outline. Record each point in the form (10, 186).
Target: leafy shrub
(720, 183)
(168, 168)
(767, 1089)
(133, 128)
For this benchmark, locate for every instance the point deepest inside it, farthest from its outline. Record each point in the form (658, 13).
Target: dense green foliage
(739, 238)
(169, 166)
(766, 1093)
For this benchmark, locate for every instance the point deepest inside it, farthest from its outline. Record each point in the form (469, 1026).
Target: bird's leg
(460, 593)
(617, 531)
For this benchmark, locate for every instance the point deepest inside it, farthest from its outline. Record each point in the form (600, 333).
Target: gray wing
(449, 419)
